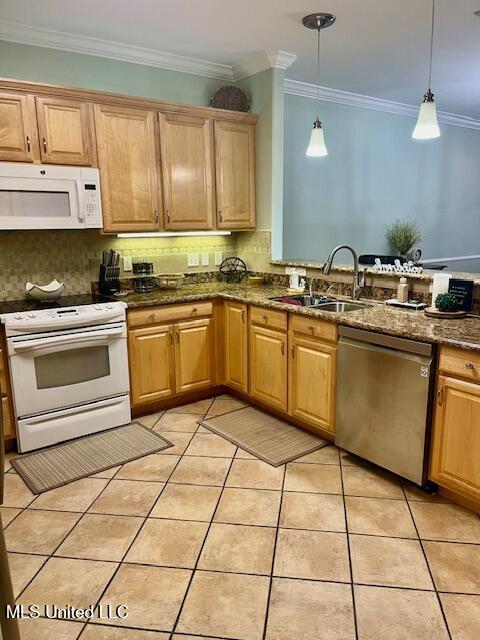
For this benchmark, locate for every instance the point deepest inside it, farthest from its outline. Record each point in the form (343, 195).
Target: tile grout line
(354, 608)
(428, 566)
(195, 568)
(267, 610)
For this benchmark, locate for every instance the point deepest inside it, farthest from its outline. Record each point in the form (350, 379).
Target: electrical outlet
(193, 260)
(127, 263)
(205, 261)
(218, 258)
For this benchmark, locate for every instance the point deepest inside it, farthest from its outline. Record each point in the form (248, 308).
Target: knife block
(109, 280)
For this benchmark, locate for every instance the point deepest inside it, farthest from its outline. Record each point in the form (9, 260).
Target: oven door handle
(72, 339)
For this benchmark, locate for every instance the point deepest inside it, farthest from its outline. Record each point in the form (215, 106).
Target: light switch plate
(205, 261)
(193, 260)
(218, 258)
(127, 263)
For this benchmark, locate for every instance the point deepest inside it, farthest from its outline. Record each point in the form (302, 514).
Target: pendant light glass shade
(317, 147)
(427, 124)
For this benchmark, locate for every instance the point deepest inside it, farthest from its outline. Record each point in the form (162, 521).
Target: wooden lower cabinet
(236, 346)
(151, 363)
(455, 456)
(268, 366)
(311, 376)
(193, 355)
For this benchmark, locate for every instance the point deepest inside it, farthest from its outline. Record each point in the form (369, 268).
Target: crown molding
(306, 90)
(24, 34)
(263, 61)
(36, 36)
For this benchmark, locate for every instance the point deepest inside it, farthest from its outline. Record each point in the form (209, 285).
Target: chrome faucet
(358, 283)
(311, 287)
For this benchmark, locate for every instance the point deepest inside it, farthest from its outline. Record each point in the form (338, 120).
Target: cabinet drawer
(457, 362)
(308, 326)
(8, 425)
(156, 315)
(269, 318)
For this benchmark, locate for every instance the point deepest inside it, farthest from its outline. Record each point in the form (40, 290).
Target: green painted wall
(374, 174)
(39, 64)
(266, 89)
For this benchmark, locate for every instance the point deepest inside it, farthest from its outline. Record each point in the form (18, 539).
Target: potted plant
(403, 235)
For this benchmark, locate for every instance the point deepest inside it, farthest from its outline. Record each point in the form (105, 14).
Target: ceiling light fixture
(427, 123)
(317, 147)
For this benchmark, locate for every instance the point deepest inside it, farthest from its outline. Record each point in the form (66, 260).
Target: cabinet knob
(156, 216)
(293, 351)
(168, 215)
(470, 366)
(44, 145)
(243, 316)
(152, 316)
(28, 144)
(220, 215)
(265, 318)
(194, 310)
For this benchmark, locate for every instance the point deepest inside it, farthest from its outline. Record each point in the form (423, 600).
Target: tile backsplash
(73, 257)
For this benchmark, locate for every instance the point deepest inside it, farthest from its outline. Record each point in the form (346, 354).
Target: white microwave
(49, 197)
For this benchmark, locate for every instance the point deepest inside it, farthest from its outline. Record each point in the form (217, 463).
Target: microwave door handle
(31, 345)
(80, 200)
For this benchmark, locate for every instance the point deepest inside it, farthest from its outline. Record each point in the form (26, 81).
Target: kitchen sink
(304, 300)
(340, 307)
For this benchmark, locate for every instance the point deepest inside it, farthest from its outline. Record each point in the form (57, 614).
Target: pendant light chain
(431, 46)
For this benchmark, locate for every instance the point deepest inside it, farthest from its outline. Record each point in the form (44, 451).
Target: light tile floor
(205, 541)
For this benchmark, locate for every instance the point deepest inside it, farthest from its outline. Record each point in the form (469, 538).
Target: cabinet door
(18, 128)
(152, 375)
(455, 460)
(193, 355)
(236, 346)
(8, 422)
(235, 175)
(128, 168)
(65, 129)
(268, 366)
(186, 144)
(312, 372)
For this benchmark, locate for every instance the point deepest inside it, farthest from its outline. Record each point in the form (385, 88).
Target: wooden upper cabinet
(65, 129)
(18, 128)
(235, 175)
(236, 346)
(128, 168)
(455, 456)
(186, 144)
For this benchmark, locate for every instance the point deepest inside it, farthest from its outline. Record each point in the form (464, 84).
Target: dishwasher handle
(387, 341)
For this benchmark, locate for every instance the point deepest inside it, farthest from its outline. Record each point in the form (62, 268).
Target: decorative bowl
(50, 291)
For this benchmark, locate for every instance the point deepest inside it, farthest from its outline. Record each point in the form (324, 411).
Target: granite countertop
(375, 316)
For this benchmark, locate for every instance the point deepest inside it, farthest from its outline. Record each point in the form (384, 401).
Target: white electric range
(69, 371)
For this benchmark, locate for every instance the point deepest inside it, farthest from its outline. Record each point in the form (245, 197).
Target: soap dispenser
(294, 279)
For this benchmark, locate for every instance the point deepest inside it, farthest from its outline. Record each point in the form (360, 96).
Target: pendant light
(427, 123)
(317, 147)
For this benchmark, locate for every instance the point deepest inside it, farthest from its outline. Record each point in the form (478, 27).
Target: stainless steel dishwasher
(384, 399)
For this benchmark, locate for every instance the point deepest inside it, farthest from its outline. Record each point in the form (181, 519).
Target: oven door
(64, 369)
